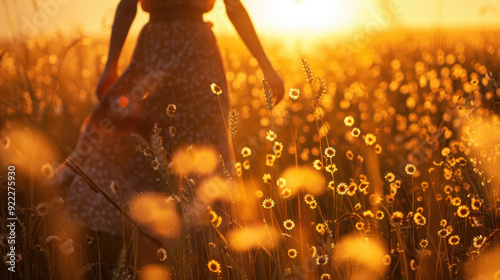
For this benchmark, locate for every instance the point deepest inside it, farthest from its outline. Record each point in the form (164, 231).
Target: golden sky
(282, 17)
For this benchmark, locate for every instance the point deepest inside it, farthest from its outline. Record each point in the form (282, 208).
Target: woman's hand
(276, 84)
(108, 78)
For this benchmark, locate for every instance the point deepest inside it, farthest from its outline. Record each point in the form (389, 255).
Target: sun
(305, 15)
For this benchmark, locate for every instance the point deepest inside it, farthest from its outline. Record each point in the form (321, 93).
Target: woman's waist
(176, 13)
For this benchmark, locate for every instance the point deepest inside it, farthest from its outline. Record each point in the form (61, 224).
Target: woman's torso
(154, 5)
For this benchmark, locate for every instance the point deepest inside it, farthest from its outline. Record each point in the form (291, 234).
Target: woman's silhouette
(175, 61)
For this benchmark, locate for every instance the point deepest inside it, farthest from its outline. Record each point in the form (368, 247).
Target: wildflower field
(382, 162)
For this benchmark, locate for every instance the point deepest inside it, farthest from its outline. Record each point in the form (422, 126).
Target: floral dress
(174, 62)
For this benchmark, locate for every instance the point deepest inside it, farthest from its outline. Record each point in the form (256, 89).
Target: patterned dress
(174, 62)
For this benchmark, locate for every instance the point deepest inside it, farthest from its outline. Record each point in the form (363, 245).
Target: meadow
(381, 163)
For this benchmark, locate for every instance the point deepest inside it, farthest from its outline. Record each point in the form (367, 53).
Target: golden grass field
(385, 166)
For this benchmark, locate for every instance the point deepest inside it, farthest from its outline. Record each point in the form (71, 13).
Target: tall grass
(383, 165)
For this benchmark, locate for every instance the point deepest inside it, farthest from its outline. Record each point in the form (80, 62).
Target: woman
(175, 61)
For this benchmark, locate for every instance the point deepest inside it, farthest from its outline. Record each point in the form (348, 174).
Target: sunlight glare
(307, 15)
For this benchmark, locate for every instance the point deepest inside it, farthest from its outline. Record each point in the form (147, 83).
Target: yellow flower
(237, 166)
(216, 89)
(363, 178)
(309, 198)
(271, 135)
(478, 241)
(320, 228)
(267, 178)
(456, 201)
(246, 152)
(363, 187)
(155, 164)
(268, 203)
(423, 243)
(278, 154)
(161, 254)
(288, 224)
(379, 215)
(350, 155)
(419, 219)
(171, 108)
(214, 266)
(330, 152)
(462, 161)
(368, 214)
(292, 253)
(212, 216)
(443, 233)
(360, 225)
(294, 93)
(348, 121)
(278, 147)
(286, 193)
(443, 222)
(351, 189)
(259, 194)
(390, 177)
(454, 240)
(317, 164)
(397, 218)
(410, 169)
(357, 206)
(370, 139)
(325, 276)
(246, 164)
(355, 132)
(322, 260)
(332, 168)
(47, 170)
(386, 260)
(313, 251)
(463, 211)
(476, 204)
(342, 188)
(409, 215)
(413, 265)
(313, 205)
(270, 159)
(281, 182)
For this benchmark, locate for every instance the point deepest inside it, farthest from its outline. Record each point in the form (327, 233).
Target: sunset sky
(269, 16)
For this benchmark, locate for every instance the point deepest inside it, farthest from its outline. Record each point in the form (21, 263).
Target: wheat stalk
(233, 122)
(267, 92)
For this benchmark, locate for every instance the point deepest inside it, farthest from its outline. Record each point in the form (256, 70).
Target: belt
(176, 12)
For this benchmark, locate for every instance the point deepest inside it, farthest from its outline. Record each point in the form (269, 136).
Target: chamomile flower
(268, 203)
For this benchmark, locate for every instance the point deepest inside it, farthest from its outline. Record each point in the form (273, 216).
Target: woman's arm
(243, 24)
(124, 16)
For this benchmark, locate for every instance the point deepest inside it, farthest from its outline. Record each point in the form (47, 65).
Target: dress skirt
(174, 62)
